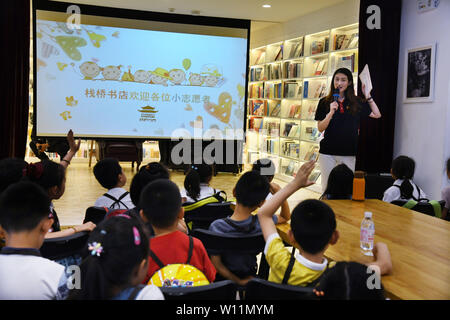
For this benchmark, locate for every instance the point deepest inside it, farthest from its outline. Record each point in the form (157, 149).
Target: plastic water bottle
(367, 234)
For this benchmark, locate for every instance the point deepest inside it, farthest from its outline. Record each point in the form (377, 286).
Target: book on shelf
(339, 40)
(258, 107)
(305, 89)
(260, 57)
(256, 74)
(252, 156)
(274, 110)
(255, 124)
(287, 128)
(317, 46)
(294, 131)
(310, 108)
(273, 128)
(294, 111)
(326, 44)
(316, 89)
(291, 89)
(290, 168)
(279, 54)
(312, 133)
(312, 153)
(273, 90)
(353, 42)
(346, 42)
(320, 67)
(346, 62)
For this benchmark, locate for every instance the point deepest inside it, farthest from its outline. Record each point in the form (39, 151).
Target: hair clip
(194, 167)
(137, 236)
(102, 231)
(318, 293)
(95, 248)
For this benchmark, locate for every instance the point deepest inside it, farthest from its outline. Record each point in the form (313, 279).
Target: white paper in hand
(364, 76)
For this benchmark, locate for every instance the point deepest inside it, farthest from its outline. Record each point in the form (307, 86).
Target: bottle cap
(368, 215)
(359, 174)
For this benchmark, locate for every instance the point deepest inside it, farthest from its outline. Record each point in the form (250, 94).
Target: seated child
(446, 195)
(24, 274)
(109, 174)
(51, 176)
(349, 281)
(313, 229)
(403, 188)
(196, 183)
(116, 263)
(149, 173)
(267, 169)
(160, 205)
(340, 183)
(251, 191)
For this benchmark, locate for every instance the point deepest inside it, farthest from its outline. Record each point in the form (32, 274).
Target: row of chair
(256, 289)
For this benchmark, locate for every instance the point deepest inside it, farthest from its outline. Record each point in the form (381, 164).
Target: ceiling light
(267, 6)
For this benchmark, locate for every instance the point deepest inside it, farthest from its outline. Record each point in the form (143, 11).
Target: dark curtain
(15, 66)
(379, 49)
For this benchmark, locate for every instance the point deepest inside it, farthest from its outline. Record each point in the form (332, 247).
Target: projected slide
(119, 82)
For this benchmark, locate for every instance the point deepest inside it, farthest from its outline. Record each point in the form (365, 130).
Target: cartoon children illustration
(159, 76)
(89, 70)
(177, 76)
(142, 76)
(195, 79)
(211, 75)
(111, 73)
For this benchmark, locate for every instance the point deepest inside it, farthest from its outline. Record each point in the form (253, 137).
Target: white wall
(342, 14)
(422, 130)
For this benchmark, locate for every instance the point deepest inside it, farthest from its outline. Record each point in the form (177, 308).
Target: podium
(122, 150)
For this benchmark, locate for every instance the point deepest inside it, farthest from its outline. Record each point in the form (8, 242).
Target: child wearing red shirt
(160, 204)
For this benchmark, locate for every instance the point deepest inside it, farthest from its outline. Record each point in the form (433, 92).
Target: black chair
(203, 216)
(423, 207)
(63, 247)
(376, 184)
(221, 290)
(216, 243)
(259, 289)
(95, 214)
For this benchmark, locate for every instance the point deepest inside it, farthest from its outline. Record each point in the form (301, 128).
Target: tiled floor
(82, 189)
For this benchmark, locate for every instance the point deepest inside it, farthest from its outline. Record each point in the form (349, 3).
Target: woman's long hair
(349, 92)
(198, 173)
(115, 248)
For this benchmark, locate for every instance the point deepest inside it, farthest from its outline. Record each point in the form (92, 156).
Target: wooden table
(419, 246)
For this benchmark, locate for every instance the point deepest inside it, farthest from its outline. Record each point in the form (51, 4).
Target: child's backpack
(178, 274)
(217, 197)
(117, 202)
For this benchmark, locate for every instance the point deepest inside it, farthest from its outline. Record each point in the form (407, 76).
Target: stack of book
(314, 89)
(260, 57)
(256, 74)
(292, 89)
(292, 69)
(272, 71)
(345, 41)
(271, 146)
(273, 90)
(256, 90)
(291, 149)
(294, 111)
(312, 153)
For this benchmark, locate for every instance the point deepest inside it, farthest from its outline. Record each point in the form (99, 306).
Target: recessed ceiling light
(267, 6)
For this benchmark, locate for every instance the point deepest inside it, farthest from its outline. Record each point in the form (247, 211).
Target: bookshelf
(286, 81)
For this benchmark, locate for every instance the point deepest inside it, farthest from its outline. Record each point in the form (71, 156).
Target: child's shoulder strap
(159, 262)
(288, 271)
(136, 291)
(123, 195)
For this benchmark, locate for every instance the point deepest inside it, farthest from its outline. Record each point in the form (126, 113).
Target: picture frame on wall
(419, 74)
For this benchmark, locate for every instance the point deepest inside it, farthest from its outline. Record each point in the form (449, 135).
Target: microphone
(336, 95)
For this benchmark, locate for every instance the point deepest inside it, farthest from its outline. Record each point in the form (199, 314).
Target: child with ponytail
(116, 263)
(196, 183)
(403, 188)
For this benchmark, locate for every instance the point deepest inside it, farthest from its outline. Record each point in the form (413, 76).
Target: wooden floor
(82, 189)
